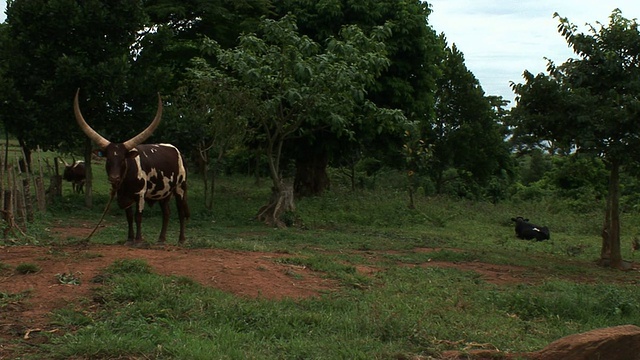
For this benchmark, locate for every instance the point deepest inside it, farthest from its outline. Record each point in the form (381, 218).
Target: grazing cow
(75, 174)
(528, 231)
(143, 173)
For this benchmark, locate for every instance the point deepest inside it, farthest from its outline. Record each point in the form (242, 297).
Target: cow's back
(157, 172)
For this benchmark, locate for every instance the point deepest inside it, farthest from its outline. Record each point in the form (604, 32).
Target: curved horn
(138, 139)
(92, 134)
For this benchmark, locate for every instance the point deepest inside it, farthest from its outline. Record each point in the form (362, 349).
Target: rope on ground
(106, 208)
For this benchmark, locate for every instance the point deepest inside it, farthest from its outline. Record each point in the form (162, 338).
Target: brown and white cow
(142, 173)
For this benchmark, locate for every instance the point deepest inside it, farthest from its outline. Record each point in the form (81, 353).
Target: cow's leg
(166, 211)
(129, 213)
(183, 215)
(138, 239)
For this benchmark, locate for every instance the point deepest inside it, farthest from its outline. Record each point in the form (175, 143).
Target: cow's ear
(132, 153)
(98, 152)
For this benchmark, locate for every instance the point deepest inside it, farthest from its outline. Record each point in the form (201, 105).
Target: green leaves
(590, 102)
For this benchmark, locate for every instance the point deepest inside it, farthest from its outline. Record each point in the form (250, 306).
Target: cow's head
(519, 219)
(116, 153)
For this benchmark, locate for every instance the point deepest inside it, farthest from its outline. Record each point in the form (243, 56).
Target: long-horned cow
(142, 173)
(75, 174)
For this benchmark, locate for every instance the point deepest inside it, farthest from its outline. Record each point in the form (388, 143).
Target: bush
(27, 268)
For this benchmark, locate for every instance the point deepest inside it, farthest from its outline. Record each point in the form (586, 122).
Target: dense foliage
(437, 124)
(158, 47)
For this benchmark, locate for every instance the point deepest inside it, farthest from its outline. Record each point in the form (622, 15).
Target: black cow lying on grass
(528, 231)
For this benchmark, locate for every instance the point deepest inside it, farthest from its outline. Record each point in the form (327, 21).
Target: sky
(502, 38)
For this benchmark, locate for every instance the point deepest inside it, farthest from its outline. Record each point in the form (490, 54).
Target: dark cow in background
(528, 231)
(143, 173)
(75, 174)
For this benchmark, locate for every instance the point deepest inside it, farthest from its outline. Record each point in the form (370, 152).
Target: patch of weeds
(100, 278)
(122, 267)
(74, 241)
(198, 243)
(71, 317)
(332, 268)
(27, 268)
(574, 250)
(129, 266)
(318, 263)
(452, 256)
(57, 252)
(291, 218)
(7, 298)
(293, 274)
(68, 279)
(91, 255)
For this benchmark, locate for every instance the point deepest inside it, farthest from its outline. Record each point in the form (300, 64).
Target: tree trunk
(256, 170)
(437, 175)
(311, 174)
(411, 182)
(203, 164)
(212, 185)
(611, 237)
(282, 201)
(605, 251)
(281, 194)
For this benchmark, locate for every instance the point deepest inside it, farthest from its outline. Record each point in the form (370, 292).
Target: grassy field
(403, 310)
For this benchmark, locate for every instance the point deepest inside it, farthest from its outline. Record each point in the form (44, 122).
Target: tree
(172, 35)
(467, 136)
(303, 89)
(57, 46)
(592, 105)
(407, 84)
(219, 109)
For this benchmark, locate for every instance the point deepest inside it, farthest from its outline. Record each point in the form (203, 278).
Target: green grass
(402, 310)
(27, 268)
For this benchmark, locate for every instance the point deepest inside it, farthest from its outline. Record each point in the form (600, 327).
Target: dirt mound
(252, 274)
(613, 343)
